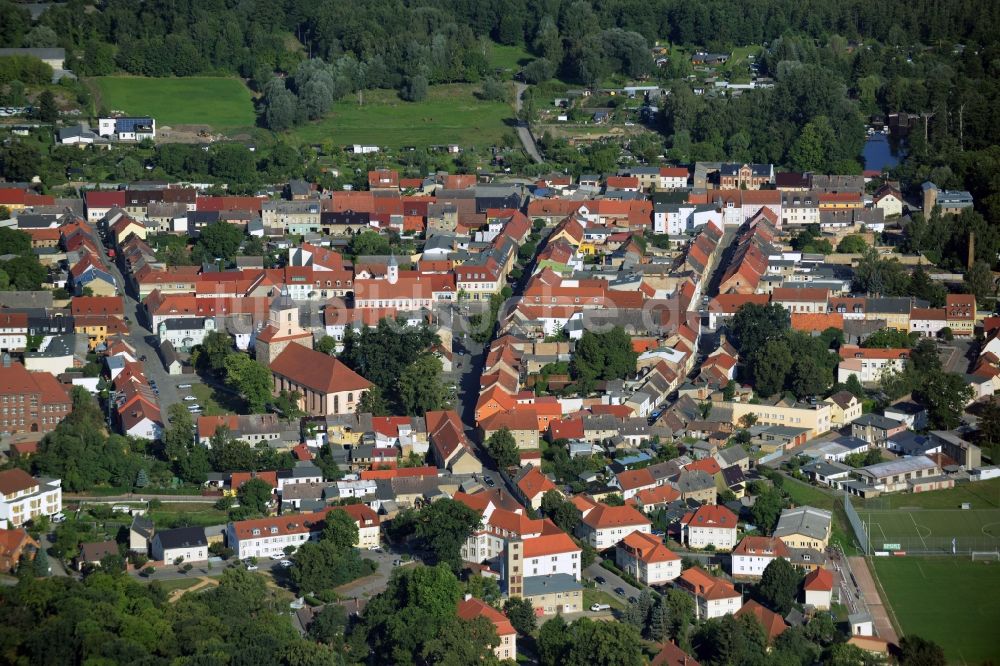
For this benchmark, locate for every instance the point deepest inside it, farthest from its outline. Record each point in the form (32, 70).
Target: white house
(710, 525)
(604, 526)
(266, 537)
(303, 472)
(713, 597)
(186, 543)
(184, 333)
(647, 559)
(369, 530)
(127, 129)
(753, 553)
(548, 554)
(26, 498)
(818, 589)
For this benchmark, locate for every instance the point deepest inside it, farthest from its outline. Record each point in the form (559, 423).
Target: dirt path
(873, 599)
(202, 583)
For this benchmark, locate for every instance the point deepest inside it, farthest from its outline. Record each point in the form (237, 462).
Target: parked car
(252, 567)
(600, 607)
(190, 398)
(286, 563)
(183, 386)
(396, 563)
(620, 591)
(277, 558)
(600, 580)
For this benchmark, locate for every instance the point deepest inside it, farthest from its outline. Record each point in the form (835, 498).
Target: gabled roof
(533, 483)
(631, 479)
(473, 608)
(698, 581)
(773, 623)
(711, 516)
(761, 545)
(818, 580)
(317, 371)
(648, 548)
(604, 516)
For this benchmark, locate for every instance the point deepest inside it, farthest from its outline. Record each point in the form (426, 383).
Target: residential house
(266, 537)
(710, 525)
(532, 485)
(549, 553)
(844, 408)
(604, 526)
(646, 558)
(876, 429)
(753, 553)
(15, 544)
(870, 364)
(140, 533)
(773, 624)
(817, 589)
(960, 312)
(470, 609)
(713, 597)
(449, 445)
(91, 553)
(26, 498)
(804, 527)
(187, 544)
(369, 529)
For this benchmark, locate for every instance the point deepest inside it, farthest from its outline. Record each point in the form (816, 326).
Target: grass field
(449, 114)
(191, 514)
(508, 57)
(593, 596)
(928, 530)
(950, 600)
(223, 103)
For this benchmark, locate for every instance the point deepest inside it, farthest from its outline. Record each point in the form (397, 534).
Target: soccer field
(950, 600)
(222, 103)
(932, 530)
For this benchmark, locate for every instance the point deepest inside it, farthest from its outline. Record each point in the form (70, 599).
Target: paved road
(369, 586)
(523, 132)
(611, 581)
(140, 497)
(146, 344)
(871, 599)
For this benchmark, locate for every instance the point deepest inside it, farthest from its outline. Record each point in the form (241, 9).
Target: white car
(183, 386)
(277, 558)
(189, 398)
(286, 563)
(252, 567)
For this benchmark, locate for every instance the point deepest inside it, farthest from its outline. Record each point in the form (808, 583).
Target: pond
(879, 153)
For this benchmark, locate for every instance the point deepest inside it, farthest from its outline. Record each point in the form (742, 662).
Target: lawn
(592, 595)
(950, 600)
(449, 114)
(802, 493)
(215, 402)
(222, 103)
(508, 57)
(187, 514)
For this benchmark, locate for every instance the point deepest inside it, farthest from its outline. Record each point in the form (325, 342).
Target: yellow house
(126, 227)
(844, 408)
(816, 418)
(97, 328)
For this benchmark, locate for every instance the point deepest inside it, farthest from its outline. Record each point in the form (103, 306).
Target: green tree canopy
(503, 448)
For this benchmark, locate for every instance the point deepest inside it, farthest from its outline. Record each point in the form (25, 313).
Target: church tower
(282, 329)
(392, 271)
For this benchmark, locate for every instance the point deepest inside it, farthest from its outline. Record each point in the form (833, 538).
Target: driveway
(611, 581)
(523, 131)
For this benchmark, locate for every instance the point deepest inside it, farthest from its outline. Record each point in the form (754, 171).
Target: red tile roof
(470, 609)
(711, 515)
(604, 516)
(534, 483)
(317, 371)
(818, 580)
(648, 548)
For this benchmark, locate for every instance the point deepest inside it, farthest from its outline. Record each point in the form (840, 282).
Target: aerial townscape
(570, 333)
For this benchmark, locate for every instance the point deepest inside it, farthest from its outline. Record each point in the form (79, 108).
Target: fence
(924, 531)
(860, 533)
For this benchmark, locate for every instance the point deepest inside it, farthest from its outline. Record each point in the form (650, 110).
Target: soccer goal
(986, 556)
